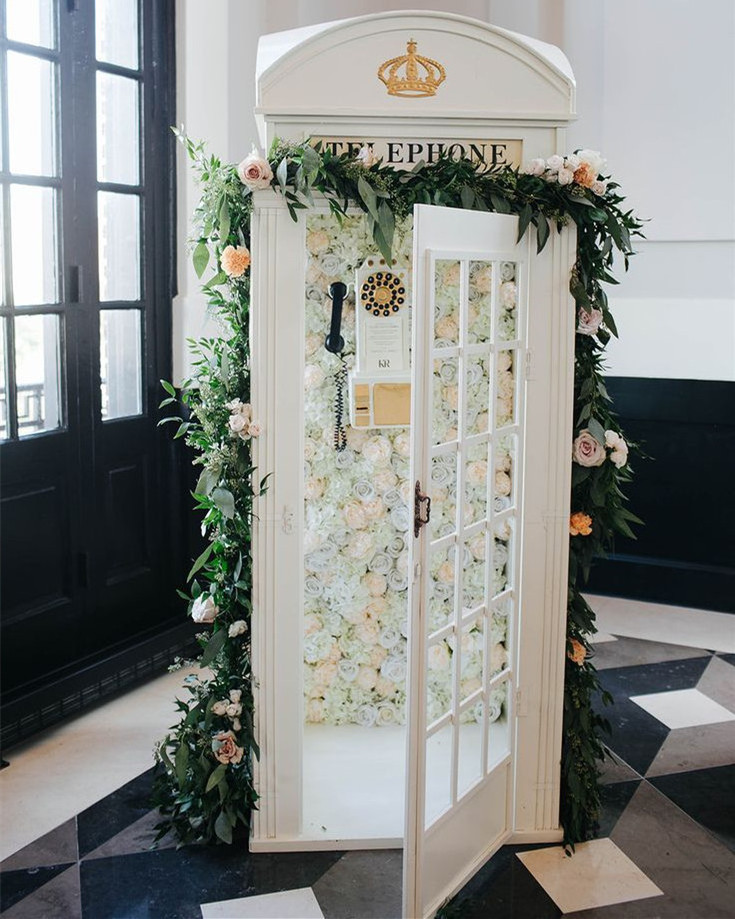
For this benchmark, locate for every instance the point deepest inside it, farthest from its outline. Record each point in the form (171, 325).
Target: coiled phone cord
(340, 382)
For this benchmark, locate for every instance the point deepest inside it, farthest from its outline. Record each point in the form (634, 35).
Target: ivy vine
(205, 787)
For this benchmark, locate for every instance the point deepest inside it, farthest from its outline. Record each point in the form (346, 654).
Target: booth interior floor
(667, 810)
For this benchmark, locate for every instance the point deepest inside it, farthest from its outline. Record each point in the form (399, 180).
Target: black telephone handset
(334, 341)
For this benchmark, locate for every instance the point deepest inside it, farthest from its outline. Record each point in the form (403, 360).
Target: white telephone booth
(408, 660)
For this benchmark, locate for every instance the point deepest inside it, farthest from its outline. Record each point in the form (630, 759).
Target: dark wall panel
(684, 490)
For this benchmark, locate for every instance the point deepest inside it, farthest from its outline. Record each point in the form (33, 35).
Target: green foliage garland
(205, 786)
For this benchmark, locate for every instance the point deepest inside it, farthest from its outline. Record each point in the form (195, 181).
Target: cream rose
(586, 451)
(503, 484)
(439, 657)
(237, 423)
(375, 583)
(220, 707)
(204, 609)
(255, 171)
(225, 748)
(355, 516)
(366, 157)
(237, 628)
(618, 447)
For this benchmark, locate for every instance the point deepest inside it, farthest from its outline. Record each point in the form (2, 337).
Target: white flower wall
(357, 517)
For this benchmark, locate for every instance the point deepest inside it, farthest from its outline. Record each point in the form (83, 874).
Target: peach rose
(368, 632)
(447, 328)
(356, 439)
(504, 361)
(578, 652)
(377, 655)
(317, 241)
(477, 472)
(225, 748)
(580, 524)
(374, 509)
(503, 484)
(355, 516)
(586, 451)
(367, 677)
(483, 280)
(385, 688)
(446, 572)
(235, 261)
(255, 171)
(375, 583)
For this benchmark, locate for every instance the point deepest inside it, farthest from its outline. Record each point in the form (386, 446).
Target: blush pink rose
(255, 172)
(586, 451)
(589, 323)
(225, 748)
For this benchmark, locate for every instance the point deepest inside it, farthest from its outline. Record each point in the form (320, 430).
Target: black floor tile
(730, 658)
(668, 675)
(613, 801)
(171, 884)
(114, 813)
(16, 885)
(363, 885)
(636, 736)
(503, 889)
(58, 898)
(707, 795)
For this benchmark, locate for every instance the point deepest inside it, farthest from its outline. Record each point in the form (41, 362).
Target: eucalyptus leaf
(200, 258)
(223, 828)
(213, 647)
(225, 501)
(216, 777)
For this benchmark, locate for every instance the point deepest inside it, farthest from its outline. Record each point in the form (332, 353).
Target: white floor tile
(683, 708)
(675, 625)
(598, 874)
(68, 768)
(286, 904)
(599, 638)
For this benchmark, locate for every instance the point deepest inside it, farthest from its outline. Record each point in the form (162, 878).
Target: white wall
(656, 94)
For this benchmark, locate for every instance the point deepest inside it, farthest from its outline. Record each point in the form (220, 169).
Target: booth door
(469, 317)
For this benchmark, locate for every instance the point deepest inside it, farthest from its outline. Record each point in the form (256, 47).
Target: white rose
(220, 707)
(255, 171)
(555, 162)
(439, 657)
(235, 695)
(537, 167)
(237, 628)
(593, 159)
(237, 423)
(566, 176)
(204, 609)
(255, 429)
(599, 186)
(366, 156)
(366, 716)
(348, 670)
(234, 709)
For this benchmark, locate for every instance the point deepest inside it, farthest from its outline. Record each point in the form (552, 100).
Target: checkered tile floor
(668, 823)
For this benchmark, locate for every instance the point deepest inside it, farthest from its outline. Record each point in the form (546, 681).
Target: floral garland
(205, 785)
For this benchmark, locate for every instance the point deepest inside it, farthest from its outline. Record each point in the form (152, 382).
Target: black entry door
(86, 496)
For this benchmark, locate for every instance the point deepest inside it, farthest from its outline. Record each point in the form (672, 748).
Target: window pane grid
(478, 330)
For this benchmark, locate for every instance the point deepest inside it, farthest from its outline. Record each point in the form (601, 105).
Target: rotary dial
(382, 293)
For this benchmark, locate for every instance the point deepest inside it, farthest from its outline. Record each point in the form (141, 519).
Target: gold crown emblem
(411, 74)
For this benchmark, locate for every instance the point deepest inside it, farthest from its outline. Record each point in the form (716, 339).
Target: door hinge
(528, 364)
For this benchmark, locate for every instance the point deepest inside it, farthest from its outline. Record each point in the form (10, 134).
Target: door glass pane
(469, 765)
(3, 385)
(120, 363)
(116, 32)
(506, 312)
(37, 373)
(31, 21)
(117, 129)
(479, 294)
(447, 274)
(505, 402)
(33, 223)
(477, 399)
(444, 416)
(119, 245)
(31, 108)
